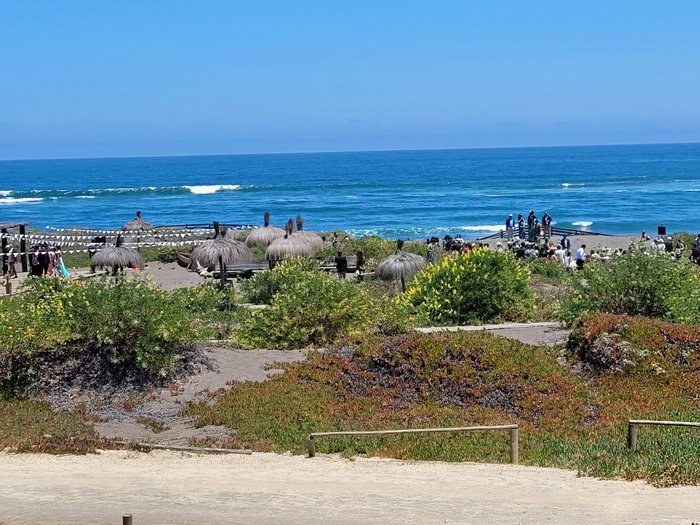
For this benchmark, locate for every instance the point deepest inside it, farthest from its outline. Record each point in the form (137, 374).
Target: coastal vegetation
(478, 287)
(567, 419)
(633, 353)
(129, 322)
(654, 286)
(310, 308)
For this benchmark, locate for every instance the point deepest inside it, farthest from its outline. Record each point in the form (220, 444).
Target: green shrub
(553, 271)
(636, 283)
(133, 320)
(311, 308)
(158, 253)
(261, 288)
(481, 286)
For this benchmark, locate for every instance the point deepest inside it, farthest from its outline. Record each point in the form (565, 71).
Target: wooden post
(127, 519)
(222, 270)
(312, 446)
(3, 249)
(23, 247)
(631, 436)
(514, 446)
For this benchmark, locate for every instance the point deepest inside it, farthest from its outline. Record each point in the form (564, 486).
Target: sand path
(172, 488)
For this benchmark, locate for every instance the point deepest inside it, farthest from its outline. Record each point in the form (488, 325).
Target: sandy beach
(176, 488)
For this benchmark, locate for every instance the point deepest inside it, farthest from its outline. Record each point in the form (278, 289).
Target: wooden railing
(514, 436)
(634, 423)
(503, 234)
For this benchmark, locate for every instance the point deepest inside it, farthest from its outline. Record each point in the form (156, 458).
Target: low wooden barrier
(514, 436)
(632, 425)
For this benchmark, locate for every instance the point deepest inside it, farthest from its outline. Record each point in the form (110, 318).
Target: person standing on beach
(547, 225)
(12, 261)
(581, 257)
(565, 243)
(34, 262)
(431, 249)
(510, 227)
(521, 226)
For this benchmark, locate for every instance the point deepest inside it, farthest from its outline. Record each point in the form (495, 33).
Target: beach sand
(164, 487)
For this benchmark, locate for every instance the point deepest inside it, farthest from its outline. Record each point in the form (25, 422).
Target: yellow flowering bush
(477, 287)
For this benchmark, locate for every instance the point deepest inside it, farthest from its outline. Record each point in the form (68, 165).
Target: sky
(147, 78)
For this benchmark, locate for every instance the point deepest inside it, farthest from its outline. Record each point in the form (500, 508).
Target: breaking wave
(15, 195)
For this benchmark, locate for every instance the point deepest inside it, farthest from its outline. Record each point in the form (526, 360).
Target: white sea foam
(84, 196)
(204, 190)
(27, 200)
(583, 224)
(5, 193)
(573, 184)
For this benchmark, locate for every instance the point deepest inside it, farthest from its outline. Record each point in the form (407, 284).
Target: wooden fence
(514, 436)
(634, 423)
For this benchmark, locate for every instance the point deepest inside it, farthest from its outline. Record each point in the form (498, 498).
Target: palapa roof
(289, 246)
(116, 257)
(137, 225)
(221, 247)
(265, 235)
(401, 264)
(308, 237)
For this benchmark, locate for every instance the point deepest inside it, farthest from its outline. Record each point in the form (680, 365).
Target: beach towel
(64, 271)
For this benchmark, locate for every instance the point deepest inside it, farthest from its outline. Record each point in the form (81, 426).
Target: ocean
(395, 194)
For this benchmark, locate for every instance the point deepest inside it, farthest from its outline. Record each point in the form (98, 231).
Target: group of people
(450, 244)
(695, 253)
(560, 252)
(532, 229)
(44, 260)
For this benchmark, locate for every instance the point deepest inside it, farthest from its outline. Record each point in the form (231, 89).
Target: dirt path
(124, 419)
(540, 333)
(129, 419)
(173, 488)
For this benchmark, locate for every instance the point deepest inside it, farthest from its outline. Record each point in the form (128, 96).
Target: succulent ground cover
(567, 419)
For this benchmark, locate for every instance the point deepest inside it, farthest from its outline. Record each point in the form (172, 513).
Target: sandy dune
(173, 488)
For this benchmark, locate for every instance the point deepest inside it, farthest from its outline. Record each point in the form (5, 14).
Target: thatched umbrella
(138, 225)
(265, 235)
(309, 237)
(236, 234)
(116, 257)
(288, 246)
(221, 251)
(400, 266)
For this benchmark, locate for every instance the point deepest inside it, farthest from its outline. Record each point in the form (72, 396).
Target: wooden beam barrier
(514, 436)
(632, 425)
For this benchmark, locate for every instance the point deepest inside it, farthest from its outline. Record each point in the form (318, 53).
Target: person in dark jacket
(341, 265)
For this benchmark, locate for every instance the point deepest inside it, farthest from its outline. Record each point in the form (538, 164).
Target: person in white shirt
(581, 256)
(510, 227)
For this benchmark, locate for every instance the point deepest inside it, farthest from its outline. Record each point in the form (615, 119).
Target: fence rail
(514, 436)
(503, 234)
(632, 425)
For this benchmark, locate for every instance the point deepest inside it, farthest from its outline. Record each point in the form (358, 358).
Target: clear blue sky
(87, 78)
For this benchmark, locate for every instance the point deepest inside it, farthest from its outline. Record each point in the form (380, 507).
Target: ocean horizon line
(353, 151)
